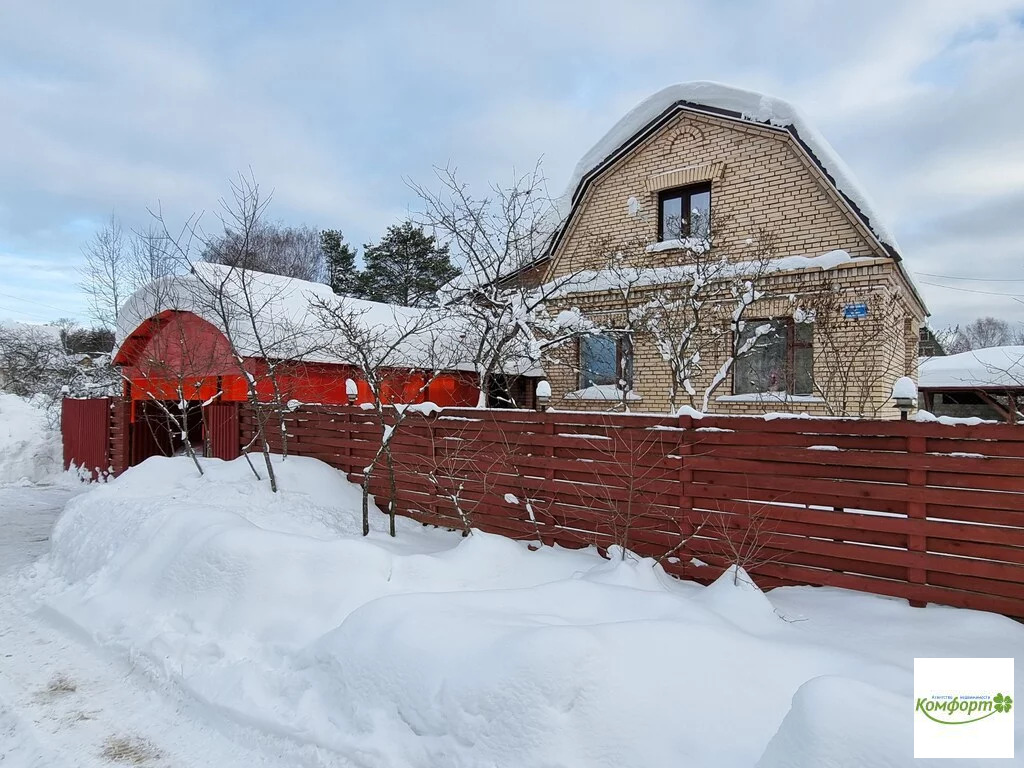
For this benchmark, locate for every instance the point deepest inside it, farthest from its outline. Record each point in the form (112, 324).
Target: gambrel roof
(731, 103)
(727, 102)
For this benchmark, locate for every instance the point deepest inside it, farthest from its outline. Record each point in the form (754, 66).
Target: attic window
(684, 212)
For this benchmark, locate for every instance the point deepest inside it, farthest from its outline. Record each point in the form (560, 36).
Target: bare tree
(172, 372)
(417, 342)
(495, 237)
(269, 247)
(854, 358)
(255, 312)
(979, 334)
(687, 297)
(701, 314)
(461, 467)
(150, 257)
(106, 276)
(743, 533)
(32, 359)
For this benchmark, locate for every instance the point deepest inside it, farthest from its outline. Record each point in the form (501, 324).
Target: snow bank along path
(30, 450)
(431, 649)
(64, 702)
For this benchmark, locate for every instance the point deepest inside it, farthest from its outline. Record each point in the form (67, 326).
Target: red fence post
(548, 471)
(917, 510)
(685, 477)
(119, 431)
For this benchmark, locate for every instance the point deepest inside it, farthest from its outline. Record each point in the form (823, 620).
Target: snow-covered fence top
(922, 511)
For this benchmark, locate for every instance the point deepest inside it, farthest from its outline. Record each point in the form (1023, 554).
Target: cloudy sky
(116, 106)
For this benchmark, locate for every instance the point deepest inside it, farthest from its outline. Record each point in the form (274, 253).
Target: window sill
(696, 244)
(606, 392)
(769, 397)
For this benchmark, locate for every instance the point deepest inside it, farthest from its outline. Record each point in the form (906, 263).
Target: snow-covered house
(986, 383)
(730, 202)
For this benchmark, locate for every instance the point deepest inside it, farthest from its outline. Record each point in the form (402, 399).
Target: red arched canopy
(178, 355)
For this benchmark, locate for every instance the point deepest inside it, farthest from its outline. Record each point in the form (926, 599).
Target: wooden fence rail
(922, 511)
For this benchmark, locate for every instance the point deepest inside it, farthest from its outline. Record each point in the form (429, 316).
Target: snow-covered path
(27, 513)
(64, 703)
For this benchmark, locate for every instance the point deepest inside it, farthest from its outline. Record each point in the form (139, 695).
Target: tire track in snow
(67, 703)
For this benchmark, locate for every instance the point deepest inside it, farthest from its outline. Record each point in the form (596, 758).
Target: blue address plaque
(856, 310)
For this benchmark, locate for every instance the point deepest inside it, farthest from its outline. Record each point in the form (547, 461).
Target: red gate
(85, 426)
(222, 430)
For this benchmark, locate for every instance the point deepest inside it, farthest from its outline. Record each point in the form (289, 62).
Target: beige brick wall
(763, 179)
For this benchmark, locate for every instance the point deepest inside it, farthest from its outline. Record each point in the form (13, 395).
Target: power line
(977, 279)
(974, 290)
(32, 315)
(30, 301)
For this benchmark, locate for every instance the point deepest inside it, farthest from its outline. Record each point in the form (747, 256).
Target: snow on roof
(594, 280)
(748, 105)
(36, 330)
(993, 367)
(286, 317)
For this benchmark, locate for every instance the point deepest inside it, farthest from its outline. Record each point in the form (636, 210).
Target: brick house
(699, 176)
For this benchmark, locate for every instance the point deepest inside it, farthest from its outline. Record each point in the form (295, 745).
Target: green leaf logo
(1002, 703)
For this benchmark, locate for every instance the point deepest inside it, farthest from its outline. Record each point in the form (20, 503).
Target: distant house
(834, 317)
(928, 344)
(986, 383)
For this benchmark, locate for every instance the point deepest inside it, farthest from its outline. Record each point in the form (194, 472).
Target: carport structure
(986, 383)
(191, 347)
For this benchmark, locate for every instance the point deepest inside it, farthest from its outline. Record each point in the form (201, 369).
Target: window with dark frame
(605, 359)
(684, 212)
(781, 360)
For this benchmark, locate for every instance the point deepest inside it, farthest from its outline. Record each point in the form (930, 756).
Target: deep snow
(433, 649)
(30, 449)
(66, 703)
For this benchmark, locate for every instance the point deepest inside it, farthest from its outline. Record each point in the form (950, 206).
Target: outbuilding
(986, 383)
(221, 335)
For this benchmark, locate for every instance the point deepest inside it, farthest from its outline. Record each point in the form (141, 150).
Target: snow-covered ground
(204, 614)
(65, 701)
(30, 449)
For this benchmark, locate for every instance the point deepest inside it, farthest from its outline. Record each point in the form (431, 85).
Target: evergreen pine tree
(406, 267)
(340, 260)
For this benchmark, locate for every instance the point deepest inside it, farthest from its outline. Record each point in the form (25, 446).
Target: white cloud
(114, 105)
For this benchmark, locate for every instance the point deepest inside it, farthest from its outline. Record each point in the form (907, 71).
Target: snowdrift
(30, 450)
(432, 649)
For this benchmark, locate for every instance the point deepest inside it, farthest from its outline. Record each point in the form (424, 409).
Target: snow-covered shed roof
(286, 313)
(734, 103)
(991, 368)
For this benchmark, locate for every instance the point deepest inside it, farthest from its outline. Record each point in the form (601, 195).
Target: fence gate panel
(85, 426)
(223, 436)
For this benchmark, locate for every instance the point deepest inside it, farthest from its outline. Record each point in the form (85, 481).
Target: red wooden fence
(926, 512)
(86, 430)
(222, 430)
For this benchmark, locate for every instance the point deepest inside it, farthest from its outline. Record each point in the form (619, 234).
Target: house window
(684, 212)
(780, 358)
(605, 359)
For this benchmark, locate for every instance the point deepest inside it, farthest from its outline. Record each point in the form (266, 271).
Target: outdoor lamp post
(543, 395)
(904, 393)
(351, 390)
